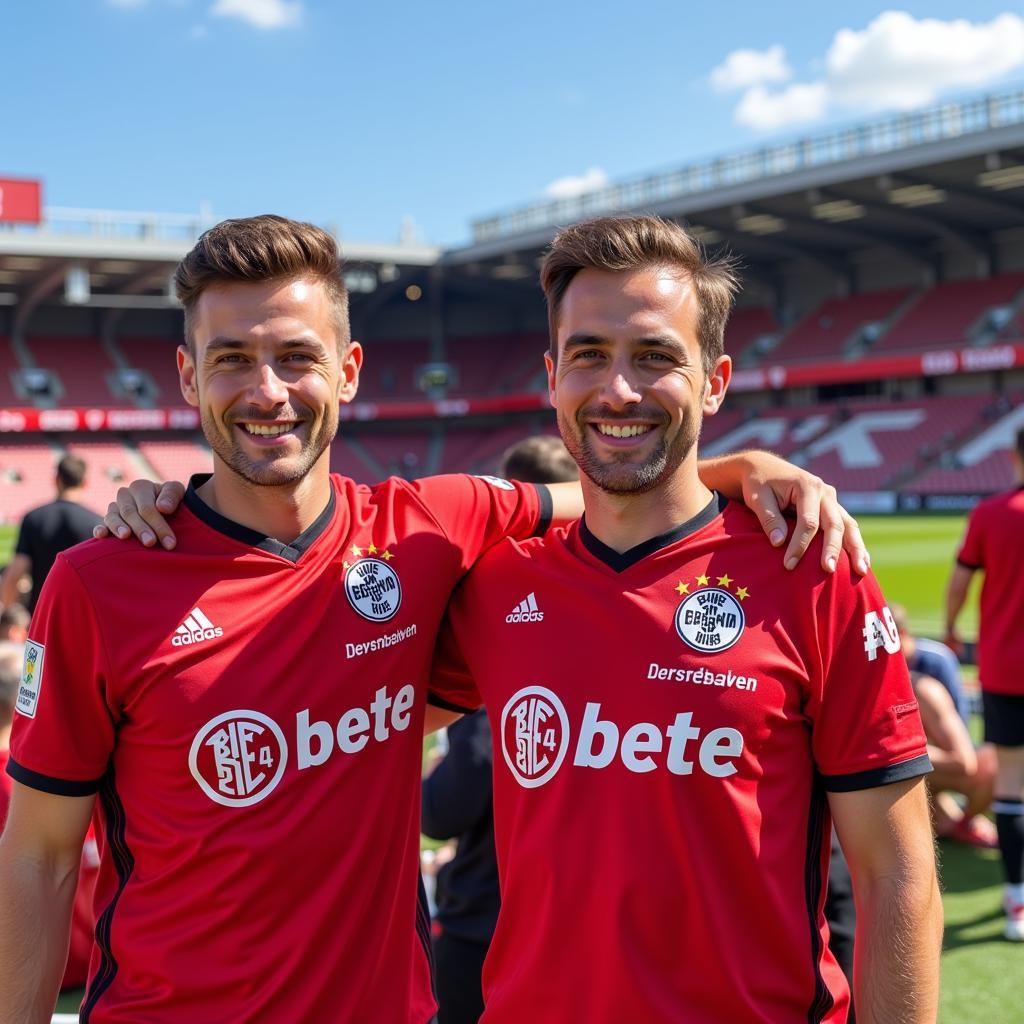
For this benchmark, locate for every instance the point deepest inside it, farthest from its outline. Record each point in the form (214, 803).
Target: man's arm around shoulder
(40, 852)
(886, 836)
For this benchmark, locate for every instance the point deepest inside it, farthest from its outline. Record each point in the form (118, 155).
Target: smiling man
(245, 713)
(678, 721)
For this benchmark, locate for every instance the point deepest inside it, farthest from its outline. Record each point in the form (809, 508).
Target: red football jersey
(667, 723)
(251, 716)
(993, 543)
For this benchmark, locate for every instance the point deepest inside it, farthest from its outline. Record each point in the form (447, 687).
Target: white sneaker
(1014, 931)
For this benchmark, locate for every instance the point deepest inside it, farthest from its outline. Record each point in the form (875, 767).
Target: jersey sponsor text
(702, 677)
(535, 738)
(380, 643)
(315, 740)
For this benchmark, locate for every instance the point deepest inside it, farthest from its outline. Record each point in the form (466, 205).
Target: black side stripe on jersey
(813, 885)
(547, 510)
(124, 863)
(874, 777)
(48, 784)
(447, 705)
(423, 930)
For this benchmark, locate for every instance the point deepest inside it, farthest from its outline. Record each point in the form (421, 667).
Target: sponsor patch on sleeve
(31, 679)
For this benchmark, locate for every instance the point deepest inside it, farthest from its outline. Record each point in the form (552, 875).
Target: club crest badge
(710, 618)
(372, 586)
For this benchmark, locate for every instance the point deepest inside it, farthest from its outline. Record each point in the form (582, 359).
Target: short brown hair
(621, 244)
(71, 471)
(264, 248)
(543, 459)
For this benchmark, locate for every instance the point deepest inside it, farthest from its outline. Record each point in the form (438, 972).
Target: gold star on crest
(372, 549)
(386, 555)
(357, 551)
(703, 580)
(683, 588)
(742, 593)
(346, 566)
(724, 581)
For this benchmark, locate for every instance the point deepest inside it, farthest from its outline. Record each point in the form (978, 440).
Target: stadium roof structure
(910, 187)
(117, 261)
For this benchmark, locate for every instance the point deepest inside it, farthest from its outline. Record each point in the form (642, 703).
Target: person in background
(957, 767)
(933, 658)
(457, 804)
(10, 676)
(992, 544)
(48, 530)
(14, 620)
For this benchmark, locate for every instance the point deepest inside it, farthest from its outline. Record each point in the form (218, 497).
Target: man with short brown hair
(676, 720)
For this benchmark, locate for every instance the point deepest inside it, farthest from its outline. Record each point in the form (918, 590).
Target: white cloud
(796, 104)
(743, 69)
(265, 14)
(899, 61)
(896, 63)
(576, 185)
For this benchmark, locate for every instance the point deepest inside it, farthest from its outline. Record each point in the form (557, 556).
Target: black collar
(293, 552)
(620, 561)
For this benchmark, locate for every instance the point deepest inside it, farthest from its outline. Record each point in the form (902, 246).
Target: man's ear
(549, 362)
(187, 376)
(716, 385)
(351, 364)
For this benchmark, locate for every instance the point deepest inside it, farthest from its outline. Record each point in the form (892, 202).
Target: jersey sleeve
(451, 683)
(866, 728)
(971, 554)
(63, 732)
(476, 512)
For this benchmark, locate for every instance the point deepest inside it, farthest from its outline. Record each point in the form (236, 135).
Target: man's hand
(140, 509)
(770, 486)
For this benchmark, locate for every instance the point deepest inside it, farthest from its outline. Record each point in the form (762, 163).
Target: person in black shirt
(48, 530)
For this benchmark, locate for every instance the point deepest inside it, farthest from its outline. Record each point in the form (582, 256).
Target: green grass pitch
(912, 556)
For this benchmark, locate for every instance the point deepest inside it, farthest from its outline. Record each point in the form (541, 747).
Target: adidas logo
(195, 629)
(526, 611)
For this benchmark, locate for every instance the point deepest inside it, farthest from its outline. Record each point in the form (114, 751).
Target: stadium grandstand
(878, 340)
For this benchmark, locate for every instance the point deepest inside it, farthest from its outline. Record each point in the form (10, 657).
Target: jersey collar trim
(253, 538)
(620, 561)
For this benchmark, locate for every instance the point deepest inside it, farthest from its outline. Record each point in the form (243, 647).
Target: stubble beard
(273, 472)
(620, 475)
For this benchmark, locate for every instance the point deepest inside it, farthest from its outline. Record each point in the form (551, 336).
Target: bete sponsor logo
(536, 737)
(239, 757)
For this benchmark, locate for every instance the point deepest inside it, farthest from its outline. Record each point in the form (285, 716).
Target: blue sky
(360, 115)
